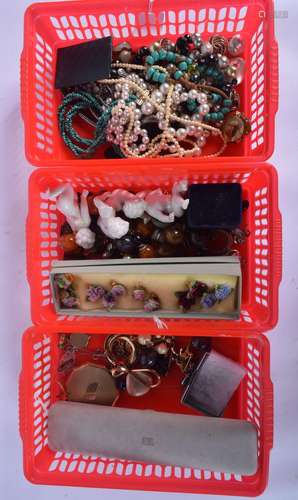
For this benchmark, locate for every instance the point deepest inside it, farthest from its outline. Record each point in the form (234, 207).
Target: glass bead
(147, 252)
(227, 103)
(162, 77)
(127, 244)
(155, 55)
(212, 242)
(149, 60)
(155, 77)
(162, 54)
(150, 72)
(166, 250)
(178, 74)
(183, 66)
(110, 251)
(174, 235)
(68, 243)
(145, 230)
(195, 78)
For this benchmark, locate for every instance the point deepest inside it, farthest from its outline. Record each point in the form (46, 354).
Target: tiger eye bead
(166, 250)
(68, 243)
(174, 235)
(147, 252)
(145, 230)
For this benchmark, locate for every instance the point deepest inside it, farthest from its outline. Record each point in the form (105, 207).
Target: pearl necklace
(166, 140)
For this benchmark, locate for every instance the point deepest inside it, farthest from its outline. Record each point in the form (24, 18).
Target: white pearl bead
(191, 130)
(160, 115)
(196, 117)
(171, 130)
(204, 109)
(138, 113)
(181, 133)
(142, 147)
(173, 148)
(183, 97)
(202, 98)
(144, 339)
(178, 87)
(162, 124)
(197, 152)
(192, 94)
(201, 141)
(223, 61)
(147, 108)
(176, 97)
(206, 48)
(164, 88)
(145, 140)
(157, 96)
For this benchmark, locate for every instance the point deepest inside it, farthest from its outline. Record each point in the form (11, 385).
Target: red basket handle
(22, 413)
(23, 83)
(277, 235)
(268, 416)
(274, 75)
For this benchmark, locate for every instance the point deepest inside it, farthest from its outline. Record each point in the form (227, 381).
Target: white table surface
(14, 301)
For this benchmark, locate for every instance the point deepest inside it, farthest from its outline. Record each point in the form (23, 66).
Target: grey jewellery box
(208, 443)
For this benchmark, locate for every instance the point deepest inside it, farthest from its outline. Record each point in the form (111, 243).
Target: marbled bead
(150, 72)
(183, 66)
(162, 54)
(162, 77)
(178, 74)
(171, 56)
(149, 60)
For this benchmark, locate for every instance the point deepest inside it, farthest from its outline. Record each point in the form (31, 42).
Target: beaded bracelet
(73, 104)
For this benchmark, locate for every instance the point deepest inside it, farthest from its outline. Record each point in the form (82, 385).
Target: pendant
(91, 383)
(138, 383)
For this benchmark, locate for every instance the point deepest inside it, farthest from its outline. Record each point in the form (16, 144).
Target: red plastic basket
(261, 254)
(39, 389)
(49, 26)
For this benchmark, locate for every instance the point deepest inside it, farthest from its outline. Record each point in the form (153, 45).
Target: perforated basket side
(261, 253)
(52, 25)
(42, 466)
